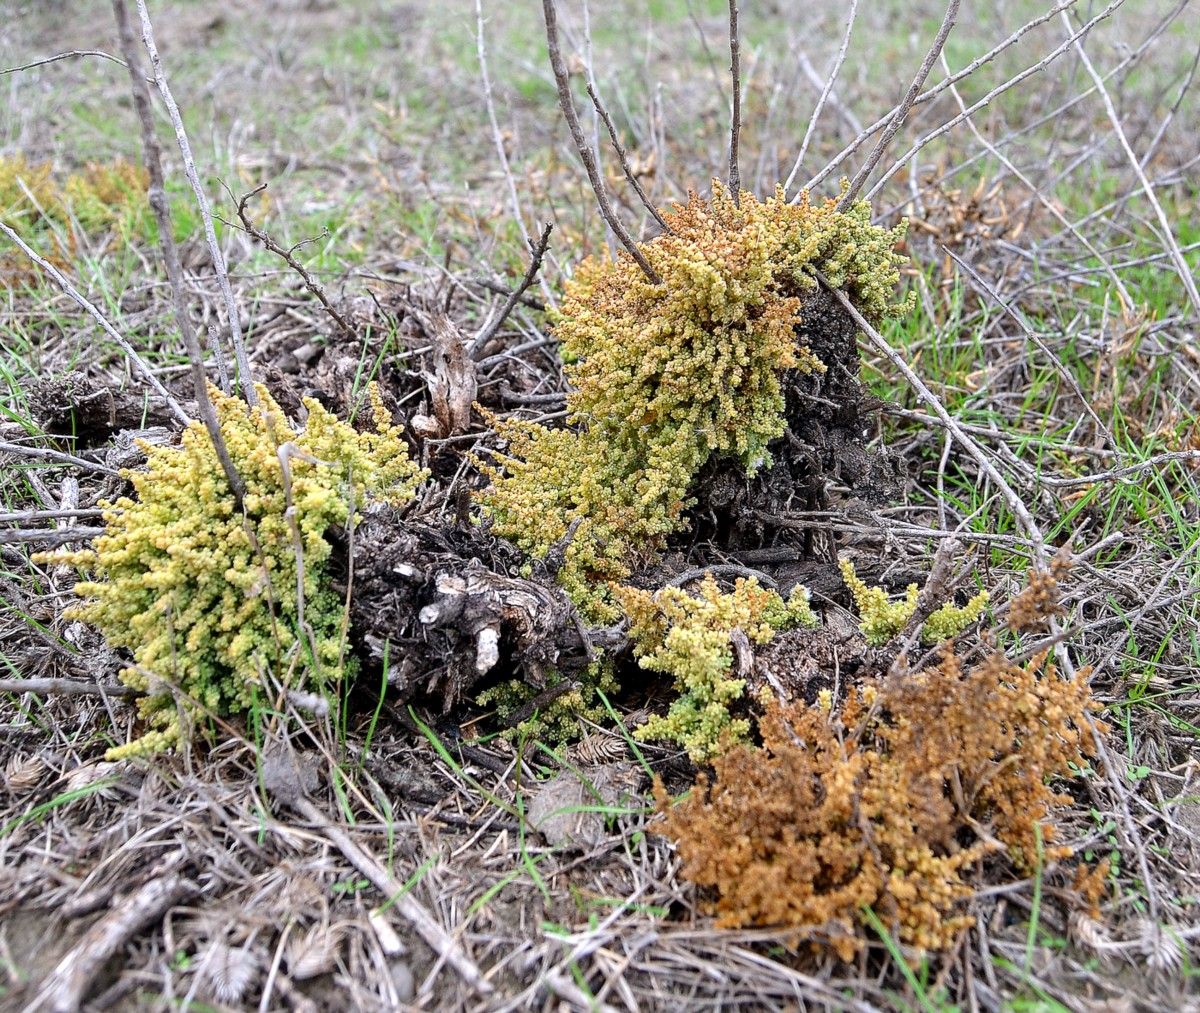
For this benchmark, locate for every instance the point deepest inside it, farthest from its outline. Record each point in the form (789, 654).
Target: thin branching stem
(586, 154)
(906, 104)
(157, 196)
(735, 119)
(206, 217)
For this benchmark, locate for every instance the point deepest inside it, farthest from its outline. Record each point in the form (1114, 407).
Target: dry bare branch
(902, 110)
(61, 280)
(1168, 236)
(157, 196)
(735, 120)
(1014, 502)
(63, 56)
(68, 984)
(586, 154)
(44, 454)
(498, 140)
(623, 158)
(288, 257)
(67, 687)
(1012, 82)
(537, 252)
(826, 90)
(941, 86)
(210, 233)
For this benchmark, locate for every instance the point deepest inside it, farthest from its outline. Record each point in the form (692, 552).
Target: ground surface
(368, 122)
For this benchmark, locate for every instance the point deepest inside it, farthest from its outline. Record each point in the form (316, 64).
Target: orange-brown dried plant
(887, 803)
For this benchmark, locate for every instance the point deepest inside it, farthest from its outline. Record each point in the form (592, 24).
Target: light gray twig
(735, 119)
(61, 280)
(62, 56)
(157, 196)
(210, 232)
(902, 110)
(586, 154)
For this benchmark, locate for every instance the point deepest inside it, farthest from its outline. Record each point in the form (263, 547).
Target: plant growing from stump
(216, 603)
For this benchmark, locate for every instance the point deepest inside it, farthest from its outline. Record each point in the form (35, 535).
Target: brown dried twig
(71, 54)
(289, 258)
(210, 232)
(157, 197)
(906, 104)
(735, 120)
(586, 154)
(537, 251)
(623, 158)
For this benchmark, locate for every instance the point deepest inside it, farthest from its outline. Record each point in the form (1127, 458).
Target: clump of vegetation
(881, 619)
(688, 637)
(213, 601)
(562, 719)
(667, 375)
(887, 803)
(102, 199)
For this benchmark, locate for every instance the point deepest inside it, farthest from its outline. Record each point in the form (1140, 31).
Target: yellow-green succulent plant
(219, 604)
(881, 619)
(689, 638)
(666, 375)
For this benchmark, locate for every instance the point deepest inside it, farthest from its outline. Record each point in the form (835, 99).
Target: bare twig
(623, 158)
(24, 516)
(67, 985)
(735, 119)
(902, 110)
(586, 154)
(1012, 82)
(67, 687)
(445, 945)
(1119, 473)
(47, 536)
(210, 232)
(1036, 338)
(498, 139)
(42, 453)
(62, 282)
(63, 56)
(1036, 191)
(824, 97)
(157, 196)
(1015, 503)
(537, 251)
(1168, 235)
(289, 258)
(967, 71)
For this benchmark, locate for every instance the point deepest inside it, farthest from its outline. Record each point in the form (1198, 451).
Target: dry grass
(1052, 325)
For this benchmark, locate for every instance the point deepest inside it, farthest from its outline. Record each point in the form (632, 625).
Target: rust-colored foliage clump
(887, 803)
(1038, 602)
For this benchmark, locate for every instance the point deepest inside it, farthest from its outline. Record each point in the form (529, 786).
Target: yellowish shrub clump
(666, 375)
(209, 599)
(101, 199)
(887, 804)
(882, 619)
(562, 719)
(688, 638)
